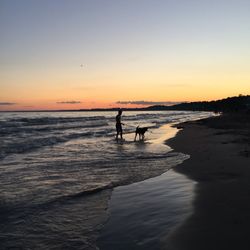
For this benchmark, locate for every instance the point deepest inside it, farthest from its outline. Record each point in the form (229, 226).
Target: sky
(62, 54)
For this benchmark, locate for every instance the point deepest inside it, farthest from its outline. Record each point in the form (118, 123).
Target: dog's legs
(135, 136)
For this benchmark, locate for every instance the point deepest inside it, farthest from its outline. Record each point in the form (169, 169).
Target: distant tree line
(239, 103)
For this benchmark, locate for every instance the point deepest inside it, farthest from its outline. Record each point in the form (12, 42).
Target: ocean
(58, 170)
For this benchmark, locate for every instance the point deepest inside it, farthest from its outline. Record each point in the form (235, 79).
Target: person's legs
(121, 132)
(117, 132)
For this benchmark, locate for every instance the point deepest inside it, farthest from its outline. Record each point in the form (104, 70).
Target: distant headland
(239, 103)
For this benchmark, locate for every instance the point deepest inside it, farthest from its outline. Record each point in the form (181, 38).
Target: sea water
(57, 171)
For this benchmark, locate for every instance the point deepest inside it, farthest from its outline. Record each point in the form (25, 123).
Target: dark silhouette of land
(231, 104)
(239, 103)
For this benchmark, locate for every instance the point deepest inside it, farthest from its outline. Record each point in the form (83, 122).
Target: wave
(46, 128)
(53, 120)
(26, 134)
(40, 124)
(31, 144)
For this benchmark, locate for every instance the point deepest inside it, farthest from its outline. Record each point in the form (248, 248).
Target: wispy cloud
(177, 85)
(86, 87)
(69, 102)
(147, 103)
(7, 103)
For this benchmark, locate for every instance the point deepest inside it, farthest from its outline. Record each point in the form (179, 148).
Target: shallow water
(57, 170)
(143, 214)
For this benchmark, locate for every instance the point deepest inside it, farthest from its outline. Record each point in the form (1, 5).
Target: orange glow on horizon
(54, 106)
(67, 105)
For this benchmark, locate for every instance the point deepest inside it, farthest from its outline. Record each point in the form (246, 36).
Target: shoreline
(220, 164)
(141, 213)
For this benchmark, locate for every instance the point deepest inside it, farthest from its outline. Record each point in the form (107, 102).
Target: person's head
(120, 111)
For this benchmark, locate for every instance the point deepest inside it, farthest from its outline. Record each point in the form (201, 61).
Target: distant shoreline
(150, 108)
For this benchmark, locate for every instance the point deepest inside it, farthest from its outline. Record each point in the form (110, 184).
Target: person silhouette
(119, 124)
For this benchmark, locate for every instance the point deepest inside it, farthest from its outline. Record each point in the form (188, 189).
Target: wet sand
(219, 150)
(142, 213)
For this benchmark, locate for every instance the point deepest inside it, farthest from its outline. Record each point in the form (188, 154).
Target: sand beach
(219, 162)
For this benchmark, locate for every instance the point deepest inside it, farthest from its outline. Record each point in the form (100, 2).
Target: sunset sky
(62, 54)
